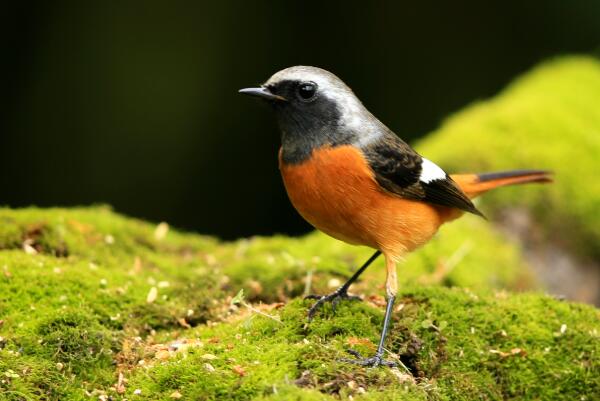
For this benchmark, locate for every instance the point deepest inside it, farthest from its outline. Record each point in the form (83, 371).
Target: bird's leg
(391, 286)
(341, 293)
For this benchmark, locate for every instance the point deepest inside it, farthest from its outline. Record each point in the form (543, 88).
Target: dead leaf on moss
(137, 266)
(162, 355)
(270, 307)
(561, 331)
(184, 344)
(209, 357)
(255, 286)
(82, 228)
(376, 300)
(239, 370)
(28, 247)
(512, 352)
(120, 387)
(352, 341)
(175, 394)
(210, 259)
(184, 323)
(209, 367)
(402, 376)
(155, 352)
(152, 294)
(334, 283)
(161, 231)
(518, 351)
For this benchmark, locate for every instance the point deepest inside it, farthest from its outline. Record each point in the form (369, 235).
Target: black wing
(398, 169)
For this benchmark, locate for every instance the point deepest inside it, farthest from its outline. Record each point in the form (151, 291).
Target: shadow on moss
(75, 340)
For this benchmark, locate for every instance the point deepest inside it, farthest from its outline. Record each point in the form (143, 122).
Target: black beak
(263, 93)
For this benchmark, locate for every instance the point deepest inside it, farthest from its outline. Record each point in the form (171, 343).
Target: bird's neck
(297, 147)
(297, 144)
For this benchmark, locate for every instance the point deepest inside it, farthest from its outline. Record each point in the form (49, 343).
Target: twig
(239, 299)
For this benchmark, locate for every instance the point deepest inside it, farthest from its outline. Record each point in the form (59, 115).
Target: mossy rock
(87, 294)
(454, 344)
(547, 119)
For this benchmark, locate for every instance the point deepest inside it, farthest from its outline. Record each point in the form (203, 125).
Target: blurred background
(135, 104)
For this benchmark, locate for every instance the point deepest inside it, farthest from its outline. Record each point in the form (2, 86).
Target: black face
(308, 119)
(306, 111)
(296, 91)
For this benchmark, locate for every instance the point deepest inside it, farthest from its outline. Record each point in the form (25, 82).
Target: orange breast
(335, 190)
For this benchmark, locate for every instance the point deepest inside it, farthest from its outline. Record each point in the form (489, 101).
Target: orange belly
(335, 191)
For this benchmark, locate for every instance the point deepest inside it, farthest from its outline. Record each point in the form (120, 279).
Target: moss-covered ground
(97, 305)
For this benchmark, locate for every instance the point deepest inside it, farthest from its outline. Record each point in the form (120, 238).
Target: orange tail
(476, 184)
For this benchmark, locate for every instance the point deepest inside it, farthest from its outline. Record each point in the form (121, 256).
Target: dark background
(135, 104)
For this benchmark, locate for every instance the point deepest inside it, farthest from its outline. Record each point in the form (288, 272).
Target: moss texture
(87, 295)
(456, 344)
(548, 119)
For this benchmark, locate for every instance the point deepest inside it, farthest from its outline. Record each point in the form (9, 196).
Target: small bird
(351, 177)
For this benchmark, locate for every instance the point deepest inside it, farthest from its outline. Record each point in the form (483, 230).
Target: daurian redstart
(351, 177)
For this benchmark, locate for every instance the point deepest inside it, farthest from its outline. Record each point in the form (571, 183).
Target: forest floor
(98, 305)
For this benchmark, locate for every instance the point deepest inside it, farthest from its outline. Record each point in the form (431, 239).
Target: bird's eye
(307, 90)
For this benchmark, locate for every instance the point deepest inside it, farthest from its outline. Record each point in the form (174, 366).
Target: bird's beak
(262, 92)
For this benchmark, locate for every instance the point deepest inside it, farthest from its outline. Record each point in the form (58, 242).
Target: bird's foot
(371, 362)
(335, 298)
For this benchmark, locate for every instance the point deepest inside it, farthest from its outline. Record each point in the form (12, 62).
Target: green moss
(457, 344)
(73, 338)
(82, 286)
(74, 290)
(548, 119)
(459, 255)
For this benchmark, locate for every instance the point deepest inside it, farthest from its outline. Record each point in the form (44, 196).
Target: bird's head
(314, 108)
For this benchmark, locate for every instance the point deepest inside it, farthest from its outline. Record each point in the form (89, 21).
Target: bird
(353, 178)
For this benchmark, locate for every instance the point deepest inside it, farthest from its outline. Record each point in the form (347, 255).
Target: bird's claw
(335, 298)
(371, 362)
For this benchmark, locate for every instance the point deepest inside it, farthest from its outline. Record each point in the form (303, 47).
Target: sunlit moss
(464, 346)
(77, 309)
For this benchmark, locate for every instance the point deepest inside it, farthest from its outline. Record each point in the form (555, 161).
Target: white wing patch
(431, 172)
